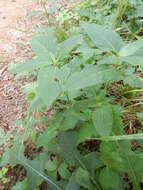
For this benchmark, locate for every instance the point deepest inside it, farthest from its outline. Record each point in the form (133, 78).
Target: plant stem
(46, 12)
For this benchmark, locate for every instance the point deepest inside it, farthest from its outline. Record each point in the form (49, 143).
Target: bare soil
(16, 29)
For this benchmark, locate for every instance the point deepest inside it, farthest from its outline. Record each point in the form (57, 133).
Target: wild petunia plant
(85, 145)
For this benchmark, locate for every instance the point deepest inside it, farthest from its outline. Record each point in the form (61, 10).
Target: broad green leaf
(134, 168)
(32, 65)
(133, 60)
(16, 156)
(36, 104)
(63, 73)
(132, 163)
(68, 45)
(51, 165)
(108, 179)
(92, 161)
(85, 132)
(12, 156)
(111, 157)
(63, 171)
(67, 141)
(44, 45)
(131, 48)
(72, 185)
(103, 119)
(31, 91)
(133, 80)
(35, 168)
(81, 110)
(110, 60)
(16, 152)
(87, 12)
(91, 75)
(69, 121)
(35, 172)
(119, 157)
(118, 126)
(46, 137)
(82, 178)
(1, 174)
(139, 11)
(20, 185)
(87, 52)
(137, 164)
(75, 64)
(48, 87)
(4, 170)
(103, 38)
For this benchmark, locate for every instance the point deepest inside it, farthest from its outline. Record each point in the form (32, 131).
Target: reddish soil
(16, 29)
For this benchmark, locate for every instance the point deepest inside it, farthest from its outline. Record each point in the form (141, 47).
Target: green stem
(46, 12)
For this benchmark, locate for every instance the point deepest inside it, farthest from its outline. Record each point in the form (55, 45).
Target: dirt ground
(16, 29)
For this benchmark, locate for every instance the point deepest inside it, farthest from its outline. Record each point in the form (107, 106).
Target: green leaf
(91, 75)
(32, 65)
(131, 48)
(44, 45)
(132, 163)
(111, 156)
(110, 60)
(82, 178)
(30, 90)
(121, 158)
(35, 168)
(20, 185)
(118, 126)
(104, 39)
(69, 121)
(15, 154)
(63, 171)
(92, 161)
(1, 174)
(46, 137)
(108, 179)
(137, 164)
(49, 88)
(4, 170)
(139, 11)
(85, 132)
(134, 168)
(72, 185)
(5, 158)
(67, 141)
(51, 165)
(63, 73)
(133, 80)
(35, 172)
(35, 104)
(88, 52)
(133, 60)
(68, 45)
(103, 119)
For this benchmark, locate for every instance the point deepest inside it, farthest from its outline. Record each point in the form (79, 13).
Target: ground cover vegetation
(87, 75)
